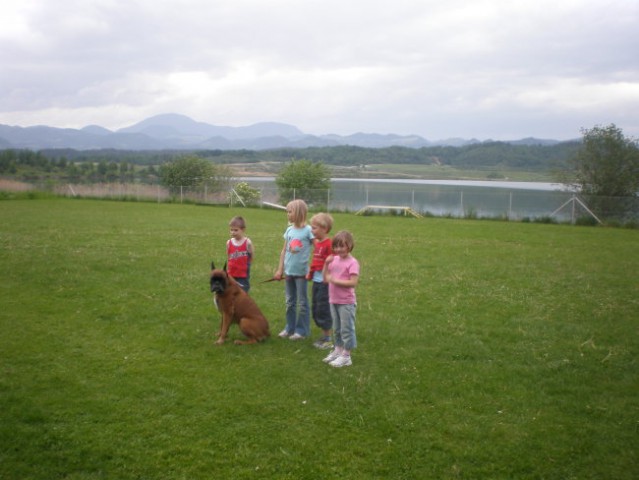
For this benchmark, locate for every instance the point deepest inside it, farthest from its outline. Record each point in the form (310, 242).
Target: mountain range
(173, 131)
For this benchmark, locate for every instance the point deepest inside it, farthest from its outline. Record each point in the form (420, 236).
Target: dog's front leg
(219, 332)
(224, 328)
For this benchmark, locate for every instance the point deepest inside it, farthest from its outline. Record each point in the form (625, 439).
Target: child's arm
(280, 266)
(309, 275)
(325, 274)
(250, 249)
(351, 282)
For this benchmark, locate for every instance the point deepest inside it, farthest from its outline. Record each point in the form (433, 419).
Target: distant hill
(96, 130)
(172, 131)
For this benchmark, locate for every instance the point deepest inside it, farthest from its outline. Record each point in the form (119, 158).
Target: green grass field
(486, 350)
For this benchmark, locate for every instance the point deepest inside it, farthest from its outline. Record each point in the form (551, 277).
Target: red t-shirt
(321, 250)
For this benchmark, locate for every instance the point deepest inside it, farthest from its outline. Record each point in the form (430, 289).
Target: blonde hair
(237, 222)
(344, 238)
(299, 209)
(323, 220)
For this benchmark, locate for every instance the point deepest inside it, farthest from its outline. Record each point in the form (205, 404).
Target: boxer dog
(236, 306)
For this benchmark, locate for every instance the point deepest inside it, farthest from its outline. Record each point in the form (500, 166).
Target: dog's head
(219, 279)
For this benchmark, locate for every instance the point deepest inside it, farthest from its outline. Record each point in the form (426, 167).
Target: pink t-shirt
(342, 268)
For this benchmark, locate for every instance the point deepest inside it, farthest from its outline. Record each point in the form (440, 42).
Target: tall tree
(193, 171)
(304, 179)
(607, 163)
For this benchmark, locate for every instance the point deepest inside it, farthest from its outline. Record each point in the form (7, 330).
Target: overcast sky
(485, 69)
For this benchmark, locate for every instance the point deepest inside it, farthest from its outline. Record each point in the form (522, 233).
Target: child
(293, 265)
(341, 272)
(321, 225)
(239, 252)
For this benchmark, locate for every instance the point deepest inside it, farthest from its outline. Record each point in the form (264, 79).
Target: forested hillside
(529, 157)
(477, 155)
(112, 165)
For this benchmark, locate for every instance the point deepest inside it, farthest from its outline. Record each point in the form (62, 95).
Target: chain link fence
(426, 200)
(467, 202)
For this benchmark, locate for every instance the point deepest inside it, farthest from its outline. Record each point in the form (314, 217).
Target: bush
(586, 220)
(249, 196)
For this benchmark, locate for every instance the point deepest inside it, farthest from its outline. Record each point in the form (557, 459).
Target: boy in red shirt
(321, 225)
(239, 252)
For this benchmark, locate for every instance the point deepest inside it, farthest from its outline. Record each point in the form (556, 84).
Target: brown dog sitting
(237, 307)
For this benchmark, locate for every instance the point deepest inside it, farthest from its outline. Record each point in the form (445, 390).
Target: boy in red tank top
(239, 252)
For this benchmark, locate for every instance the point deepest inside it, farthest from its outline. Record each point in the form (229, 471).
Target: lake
(458, 198)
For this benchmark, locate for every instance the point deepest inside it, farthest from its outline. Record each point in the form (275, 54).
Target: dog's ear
(212, 266)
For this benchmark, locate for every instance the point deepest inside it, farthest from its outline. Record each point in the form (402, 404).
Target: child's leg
(303, 324)
(347, 323)
(344, 329)
(315, 302)
(337, 330)
(321, 308)
(291, 304)
(337, 338)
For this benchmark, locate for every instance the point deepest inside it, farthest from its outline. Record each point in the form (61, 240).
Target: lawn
(486, 350)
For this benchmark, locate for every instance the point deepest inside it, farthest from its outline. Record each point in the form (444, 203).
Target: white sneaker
(296, 336)
(331, 356)
(283, 334)
(342, 361)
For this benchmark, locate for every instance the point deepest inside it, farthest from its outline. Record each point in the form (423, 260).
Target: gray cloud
(485, 68)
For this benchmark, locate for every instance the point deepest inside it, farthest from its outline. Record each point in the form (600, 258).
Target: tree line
(603, 162)
(487, 154)
(80, 166)
(29, 165)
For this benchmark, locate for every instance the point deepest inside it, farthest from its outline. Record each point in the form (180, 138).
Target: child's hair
(237, 222)
(323, 220)
(299, 209)
(343, 238)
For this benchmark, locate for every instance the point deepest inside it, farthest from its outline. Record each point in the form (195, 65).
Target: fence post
(510, 205)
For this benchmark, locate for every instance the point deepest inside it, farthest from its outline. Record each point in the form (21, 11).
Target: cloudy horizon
(484, 69)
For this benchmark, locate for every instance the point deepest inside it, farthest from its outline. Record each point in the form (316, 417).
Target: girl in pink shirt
(341, 272)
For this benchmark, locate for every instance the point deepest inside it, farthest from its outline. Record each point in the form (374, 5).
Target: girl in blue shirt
(293, 267)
